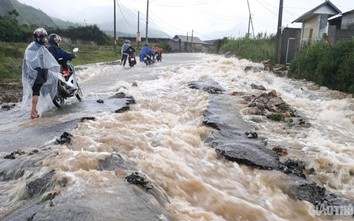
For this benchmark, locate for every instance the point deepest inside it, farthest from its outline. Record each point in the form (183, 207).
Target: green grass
(11, 56)
(88, 54)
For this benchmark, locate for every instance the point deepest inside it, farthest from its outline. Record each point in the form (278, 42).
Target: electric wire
(126, 21)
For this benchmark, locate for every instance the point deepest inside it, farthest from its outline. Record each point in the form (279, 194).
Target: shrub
(330, 66)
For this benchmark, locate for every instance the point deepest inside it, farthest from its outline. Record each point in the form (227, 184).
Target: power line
(126, 21)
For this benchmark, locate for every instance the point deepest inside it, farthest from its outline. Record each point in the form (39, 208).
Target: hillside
(27, 14)
(30, 15)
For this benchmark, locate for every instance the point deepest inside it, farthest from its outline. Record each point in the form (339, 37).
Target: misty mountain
(101, 16)
(234, 32)
(126, 21)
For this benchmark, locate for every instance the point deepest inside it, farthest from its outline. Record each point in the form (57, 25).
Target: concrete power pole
(250, 23)
(192, 41)
(278, 46)
(115, 34)
(138, 33)
(147, 21)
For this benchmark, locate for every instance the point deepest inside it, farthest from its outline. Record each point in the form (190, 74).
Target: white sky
(201, 16)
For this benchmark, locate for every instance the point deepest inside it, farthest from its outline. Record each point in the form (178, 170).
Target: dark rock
(232, 139)
(112, 162)
(64, 138)
(295, 167)
(12, 155)
(119, 95)
(7, 107)
(301, 189)
(280, 151)
(87, 118)
(39, 185)
(100, 101)
(311, 171)
(138, 179)
(210, 86)
(258, 87)
(251, 134)
(249, 154)
(130, 100)
(123, 109)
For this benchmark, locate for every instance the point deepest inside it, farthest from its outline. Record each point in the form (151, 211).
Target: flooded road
(163, 137)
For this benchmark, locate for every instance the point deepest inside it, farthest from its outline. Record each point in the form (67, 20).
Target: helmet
(54, 38)
(127, 41)
(40, 35)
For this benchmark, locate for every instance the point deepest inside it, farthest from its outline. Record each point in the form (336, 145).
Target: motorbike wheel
(78, 94)
(58, 101)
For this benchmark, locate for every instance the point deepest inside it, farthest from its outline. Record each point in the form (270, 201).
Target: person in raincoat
(125, 51)
(39, 75)
(158, 52)
(147, 55)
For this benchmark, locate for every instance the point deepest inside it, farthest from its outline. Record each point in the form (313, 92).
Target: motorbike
(67, 85)
(131, 59)
(149, 60)
(158, 56)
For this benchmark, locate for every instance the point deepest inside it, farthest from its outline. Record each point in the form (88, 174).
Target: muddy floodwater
(162, 143)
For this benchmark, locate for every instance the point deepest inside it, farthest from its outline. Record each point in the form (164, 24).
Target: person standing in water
(39, 72)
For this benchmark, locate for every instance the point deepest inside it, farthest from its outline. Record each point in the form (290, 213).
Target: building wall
(323, 29)
(348, 21)
(344, 34)
(289, 44)
(310, 31)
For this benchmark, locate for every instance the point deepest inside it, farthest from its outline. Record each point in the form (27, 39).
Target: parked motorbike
(67, 85)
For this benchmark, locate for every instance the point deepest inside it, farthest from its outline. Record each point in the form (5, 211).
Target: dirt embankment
(10, 92)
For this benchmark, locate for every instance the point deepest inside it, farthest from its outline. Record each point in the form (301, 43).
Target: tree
(10, 30)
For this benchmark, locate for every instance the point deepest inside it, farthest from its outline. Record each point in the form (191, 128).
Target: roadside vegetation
(326, 65)
(261, 48)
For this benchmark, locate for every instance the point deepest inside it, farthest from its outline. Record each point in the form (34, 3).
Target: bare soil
(10, 92)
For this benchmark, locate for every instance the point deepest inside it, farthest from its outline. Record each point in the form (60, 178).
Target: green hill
(29, 15)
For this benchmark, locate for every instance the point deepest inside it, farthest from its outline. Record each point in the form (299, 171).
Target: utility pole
(115, 35)
(280, 18)
(249, 26)
(192, 41)
(138, 39)
(147, 21)
(250, 20)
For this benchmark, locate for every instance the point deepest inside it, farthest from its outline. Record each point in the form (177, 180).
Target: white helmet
(54, 38)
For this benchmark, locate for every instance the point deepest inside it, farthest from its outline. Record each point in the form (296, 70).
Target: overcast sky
(201, 16)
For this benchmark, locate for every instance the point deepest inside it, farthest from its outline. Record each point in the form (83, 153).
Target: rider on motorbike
(147, 55)
(126, 50)
(158, 52)
(59, 54)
